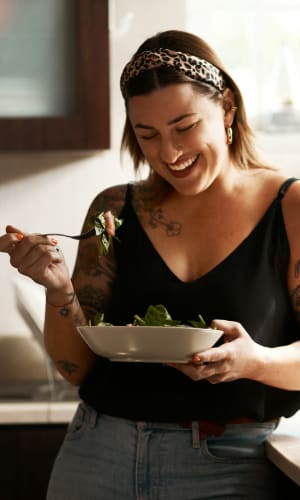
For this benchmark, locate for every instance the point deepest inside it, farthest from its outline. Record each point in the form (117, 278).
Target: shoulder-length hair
(242, 150)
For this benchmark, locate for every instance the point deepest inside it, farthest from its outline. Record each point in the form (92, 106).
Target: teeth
(183, 165)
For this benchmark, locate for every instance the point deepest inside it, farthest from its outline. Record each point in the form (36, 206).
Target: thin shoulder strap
(127, 200)
(284, 187)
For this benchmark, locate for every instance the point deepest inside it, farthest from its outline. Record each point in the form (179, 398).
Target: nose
(169, 151)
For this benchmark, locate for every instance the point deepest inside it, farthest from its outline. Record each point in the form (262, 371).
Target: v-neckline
(230, 255)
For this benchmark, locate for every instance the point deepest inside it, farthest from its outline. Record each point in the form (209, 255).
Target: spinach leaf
(98, 223)
(201, 323)
(155, 316)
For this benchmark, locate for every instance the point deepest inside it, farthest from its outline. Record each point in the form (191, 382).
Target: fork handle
(82, 236)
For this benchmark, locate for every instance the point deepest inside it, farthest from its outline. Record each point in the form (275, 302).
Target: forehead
(167, 103)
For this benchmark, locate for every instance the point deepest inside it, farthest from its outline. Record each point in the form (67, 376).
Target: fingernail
(196, 358)
(54, 241)
(19, 236)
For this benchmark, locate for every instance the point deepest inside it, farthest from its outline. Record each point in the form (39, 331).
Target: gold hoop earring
(229, 135)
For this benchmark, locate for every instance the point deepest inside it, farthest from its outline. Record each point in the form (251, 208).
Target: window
(54, 89)
(259, 42)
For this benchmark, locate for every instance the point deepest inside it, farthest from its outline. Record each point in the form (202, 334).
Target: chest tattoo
(157, 218)
(297, 269)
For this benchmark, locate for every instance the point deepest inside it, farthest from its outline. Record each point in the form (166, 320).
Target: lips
(183, 166)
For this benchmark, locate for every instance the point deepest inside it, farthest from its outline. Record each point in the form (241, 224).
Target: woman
(212, 230)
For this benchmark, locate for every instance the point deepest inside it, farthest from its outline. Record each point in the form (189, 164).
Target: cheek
(148, 150)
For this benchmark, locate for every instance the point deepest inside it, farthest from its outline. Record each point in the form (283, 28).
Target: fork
(82, 236)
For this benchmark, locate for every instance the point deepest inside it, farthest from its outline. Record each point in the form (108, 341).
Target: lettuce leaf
(154, 316)
(98, 223)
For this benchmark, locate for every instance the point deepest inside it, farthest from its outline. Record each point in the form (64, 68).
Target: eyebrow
(171, 122)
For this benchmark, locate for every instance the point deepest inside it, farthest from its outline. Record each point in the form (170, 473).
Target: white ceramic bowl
(150, 344)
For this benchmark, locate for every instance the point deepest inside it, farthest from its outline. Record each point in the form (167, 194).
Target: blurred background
(43, 190)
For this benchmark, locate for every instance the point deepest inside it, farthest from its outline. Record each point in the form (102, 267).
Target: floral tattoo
(157, 218)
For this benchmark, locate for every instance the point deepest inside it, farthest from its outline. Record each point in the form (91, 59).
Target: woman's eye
(148, 137)
(188, 127)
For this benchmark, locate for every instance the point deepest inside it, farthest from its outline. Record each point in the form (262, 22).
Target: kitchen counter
(283, 448)
(45, 412)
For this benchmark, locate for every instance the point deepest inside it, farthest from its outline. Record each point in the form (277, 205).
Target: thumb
(109, 223)
(12, 229)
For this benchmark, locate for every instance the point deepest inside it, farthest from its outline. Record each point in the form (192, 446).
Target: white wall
(51, 192)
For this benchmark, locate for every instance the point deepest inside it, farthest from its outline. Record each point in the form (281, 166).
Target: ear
(228, 107)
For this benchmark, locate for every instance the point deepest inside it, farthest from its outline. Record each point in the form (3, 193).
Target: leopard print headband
(192, 66)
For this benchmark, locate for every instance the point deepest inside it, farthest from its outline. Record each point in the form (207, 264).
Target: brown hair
(242, 150)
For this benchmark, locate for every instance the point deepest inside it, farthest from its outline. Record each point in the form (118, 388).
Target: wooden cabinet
(86, 126)
(27, 456)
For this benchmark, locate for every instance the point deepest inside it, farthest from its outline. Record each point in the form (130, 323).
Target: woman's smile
(183, 166)
(181, 135)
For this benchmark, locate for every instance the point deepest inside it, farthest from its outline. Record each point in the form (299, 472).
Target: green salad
(154, 316)
(98, 223)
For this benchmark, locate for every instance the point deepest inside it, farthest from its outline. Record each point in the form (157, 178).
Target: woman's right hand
(37, 257)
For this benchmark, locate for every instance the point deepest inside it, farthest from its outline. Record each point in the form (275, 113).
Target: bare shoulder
(269, 182)
(112, 198)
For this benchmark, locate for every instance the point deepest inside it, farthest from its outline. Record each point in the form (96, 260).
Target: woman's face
(182, 136)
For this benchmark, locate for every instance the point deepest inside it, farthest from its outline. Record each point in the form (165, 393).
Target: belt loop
(195, 434)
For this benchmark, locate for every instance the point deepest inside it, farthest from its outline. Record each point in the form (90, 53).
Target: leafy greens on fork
(98, 223)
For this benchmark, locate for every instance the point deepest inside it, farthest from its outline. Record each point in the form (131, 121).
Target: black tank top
(248, 286)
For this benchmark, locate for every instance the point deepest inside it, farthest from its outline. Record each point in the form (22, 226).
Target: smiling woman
(212, 229)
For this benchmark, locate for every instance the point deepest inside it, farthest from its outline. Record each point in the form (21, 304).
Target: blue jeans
(108, 458)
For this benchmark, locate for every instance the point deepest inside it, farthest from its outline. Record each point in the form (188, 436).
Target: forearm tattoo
(297, 269)
(296, 297)
(157, 218)
(66, 309)
(92, 300)
(67, 366)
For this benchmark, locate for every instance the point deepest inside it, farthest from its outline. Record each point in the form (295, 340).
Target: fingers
(35, 258)
(9, 240)
(206, 371)
(28, 250)
(13, 229)
(109, 223)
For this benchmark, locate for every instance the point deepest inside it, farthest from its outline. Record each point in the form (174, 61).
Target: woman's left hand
(236, 358)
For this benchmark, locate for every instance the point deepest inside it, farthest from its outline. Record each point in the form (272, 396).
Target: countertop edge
(46, 412)
(283, 447)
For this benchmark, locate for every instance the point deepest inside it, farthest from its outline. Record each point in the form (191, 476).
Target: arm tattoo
(297, 269)
(88, 260)
(68, 366)
(92, 300)
(296, 297)
(65, 310)
(157, 218)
